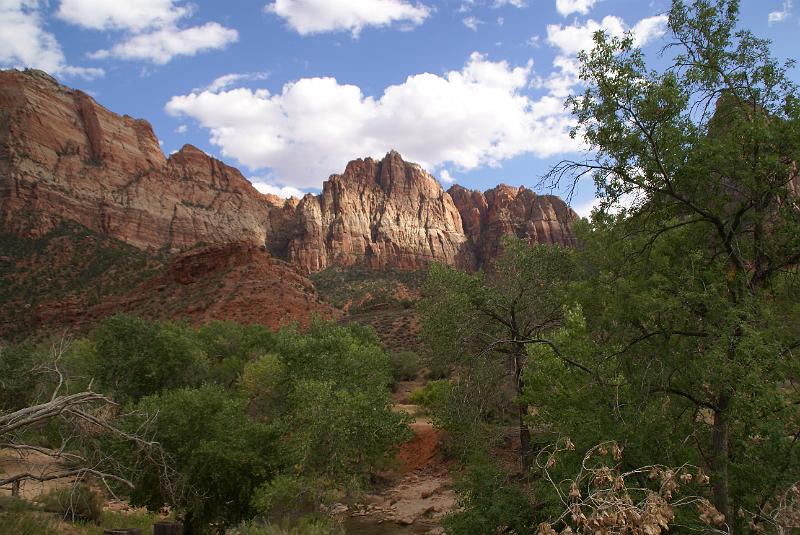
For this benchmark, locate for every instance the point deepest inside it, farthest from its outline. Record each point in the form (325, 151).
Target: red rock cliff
(62, 155)
(511, 211)
(382, 214)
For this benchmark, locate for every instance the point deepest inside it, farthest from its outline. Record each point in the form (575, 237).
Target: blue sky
(290, 90)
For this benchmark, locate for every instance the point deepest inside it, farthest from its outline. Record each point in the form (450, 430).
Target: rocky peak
(506, 210)
(64, 156)
(387, 213)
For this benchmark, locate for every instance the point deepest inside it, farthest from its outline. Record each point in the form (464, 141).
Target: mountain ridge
(64, 156)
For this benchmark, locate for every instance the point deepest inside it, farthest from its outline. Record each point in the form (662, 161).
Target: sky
(289, 91)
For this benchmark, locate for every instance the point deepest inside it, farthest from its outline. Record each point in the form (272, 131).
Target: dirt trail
(14, 462)
(418, 493)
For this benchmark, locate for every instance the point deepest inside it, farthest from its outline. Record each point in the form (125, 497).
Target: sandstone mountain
(65, 157)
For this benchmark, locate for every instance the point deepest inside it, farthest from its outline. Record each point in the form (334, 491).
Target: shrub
(405, 365)
(284, 498)
(433, 394)
(76, 502)
(220, 454)
(28, 523)
(134, 358)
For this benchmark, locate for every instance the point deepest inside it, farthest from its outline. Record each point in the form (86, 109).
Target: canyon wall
(64, 156)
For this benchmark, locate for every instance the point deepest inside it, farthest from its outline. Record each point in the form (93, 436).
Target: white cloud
(319, 16)
(161, 46)
(281, 191)
(626, 201)
(649, 29)
(515, 3)
(150, 30)
(472, 23)
(476, 116)
(181, 129)
(782, 15)
(446, 177)
(227, 80)
(25, 43)
(571, 39)
(117, 15)
(585, 208)
(567, 7)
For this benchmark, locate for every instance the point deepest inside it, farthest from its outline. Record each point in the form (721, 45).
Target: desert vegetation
(643, 381)
(671, 330)
(223, 423)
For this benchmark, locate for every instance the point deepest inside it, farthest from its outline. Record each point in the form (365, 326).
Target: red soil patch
(420, 450)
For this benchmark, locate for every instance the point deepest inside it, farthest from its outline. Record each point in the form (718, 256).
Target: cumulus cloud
(115, 15)
(446, 177)
(150, 28)
(270, 189)
(567, 7)
(24, 42)
(227, 80)
(472, 23)
(571, 39)
(515, 3)
(161, 46)
(782, 15)
(319, 16)
(181, 129)
(626, 201)
(478, 115)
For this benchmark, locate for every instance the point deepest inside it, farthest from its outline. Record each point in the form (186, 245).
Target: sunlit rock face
(381, 214)
(64, 156)
(520, 212)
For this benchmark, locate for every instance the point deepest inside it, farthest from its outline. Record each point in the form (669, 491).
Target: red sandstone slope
(71, 277)
(234, 281)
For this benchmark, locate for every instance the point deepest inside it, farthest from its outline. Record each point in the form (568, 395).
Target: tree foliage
(685, 310)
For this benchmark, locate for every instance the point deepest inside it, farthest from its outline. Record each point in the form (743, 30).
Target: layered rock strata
(65, 157)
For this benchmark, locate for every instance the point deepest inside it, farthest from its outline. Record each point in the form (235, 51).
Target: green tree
(328, 388)
(468, 318)
(133, 357)
(220, 455)
(688, 304)
(229, 346)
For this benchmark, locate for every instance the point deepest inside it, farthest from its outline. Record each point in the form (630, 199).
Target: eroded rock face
(520, 212)
(63, 156)
(381, 214)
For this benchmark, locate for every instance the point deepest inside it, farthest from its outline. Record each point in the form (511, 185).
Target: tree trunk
(720, 484)
(167, 528)
(526, 453)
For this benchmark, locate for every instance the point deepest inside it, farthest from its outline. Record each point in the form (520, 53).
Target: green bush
(133, 358)
(433, 394)
(405, 365)
(220, 454)
(490, 502)
(284, 498)
(76, 502)
(28, 523)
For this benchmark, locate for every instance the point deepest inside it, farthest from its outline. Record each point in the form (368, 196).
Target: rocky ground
(415, 496)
